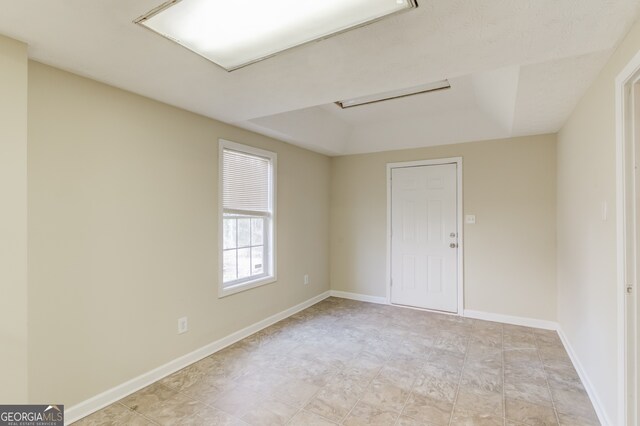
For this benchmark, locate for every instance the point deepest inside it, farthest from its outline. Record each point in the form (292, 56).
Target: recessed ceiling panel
(235, 33)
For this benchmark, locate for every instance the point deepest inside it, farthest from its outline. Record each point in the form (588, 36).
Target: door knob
(453, 245)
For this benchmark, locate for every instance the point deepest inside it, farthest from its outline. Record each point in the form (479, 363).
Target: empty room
(302, 212)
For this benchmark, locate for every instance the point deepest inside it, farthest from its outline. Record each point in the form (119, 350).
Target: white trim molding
(510, 319)
(627, 266)
(459, 222)
(514, 320)
(91, 405)
(586, 382)
(360, 297)
(550, 325)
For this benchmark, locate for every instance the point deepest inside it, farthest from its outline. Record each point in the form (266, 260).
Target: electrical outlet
(306, 279)
(183, 325)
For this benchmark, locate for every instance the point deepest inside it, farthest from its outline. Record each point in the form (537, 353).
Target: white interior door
(424, 249)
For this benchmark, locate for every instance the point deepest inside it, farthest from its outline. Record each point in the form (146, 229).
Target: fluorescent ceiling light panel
(394, 94)
(236, 33)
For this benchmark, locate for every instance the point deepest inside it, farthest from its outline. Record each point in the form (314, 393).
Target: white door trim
(460, 269)
(626, 255)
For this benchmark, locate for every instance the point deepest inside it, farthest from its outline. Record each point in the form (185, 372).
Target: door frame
(627, 237)
(459, 213)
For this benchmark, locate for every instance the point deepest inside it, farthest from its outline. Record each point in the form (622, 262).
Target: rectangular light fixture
(236, 33)
(395, 94)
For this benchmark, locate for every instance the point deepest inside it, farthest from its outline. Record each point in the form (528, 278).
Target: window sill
(224, 292)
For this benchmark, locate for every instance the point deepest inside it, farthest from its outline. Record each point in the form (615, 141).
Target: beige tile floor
(354, 363)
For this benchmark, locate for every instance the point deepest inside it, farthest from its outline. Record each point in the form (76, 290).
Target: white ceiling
(516, 67)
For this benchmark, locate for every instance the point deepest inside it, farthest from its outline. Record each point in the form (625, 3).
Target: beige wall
(587, 296)
(509, 253)
(123, 234)
(13, 221)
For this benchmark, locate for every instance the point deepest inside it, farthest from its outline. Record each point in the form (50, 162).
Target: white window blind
(246, 182)
(247, 217)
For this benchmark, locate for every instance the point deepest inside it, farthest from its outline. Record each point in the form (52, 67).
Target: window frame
(270, 276)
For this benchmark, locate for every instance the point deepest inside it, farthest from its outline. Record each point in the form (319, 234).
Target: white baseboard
(604, 418)
(551, 325)
(509, 319)
(112, 395)
(359, 297)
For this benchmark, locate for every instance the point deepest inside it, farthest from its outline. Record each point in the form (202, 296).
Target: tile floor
(354, 363)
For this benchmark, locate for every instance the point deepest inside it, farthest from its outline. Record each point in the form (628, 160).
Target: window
(247, 193)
